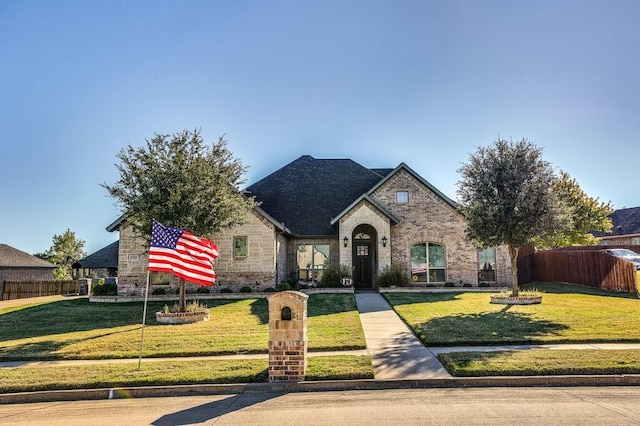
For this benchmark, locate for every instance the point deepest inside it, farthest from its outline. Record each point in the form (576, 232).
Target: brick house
(16, 265)
(315, 212)
(100, 264)
(626, 228)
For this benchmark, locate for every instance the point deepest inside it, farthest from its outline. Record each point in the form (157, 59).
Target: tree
(64, 252)
(585, 214)
(180, 181)
(506, 193)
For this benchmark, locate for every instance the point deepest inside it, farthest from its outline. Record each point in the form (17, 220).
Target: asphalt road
(477, 406)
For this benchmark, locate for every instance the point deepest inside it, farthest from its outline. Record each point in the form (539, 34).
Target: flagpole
(144, 318)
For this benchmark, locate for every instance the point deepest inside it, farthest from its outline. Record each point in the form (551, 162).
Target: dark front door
(363, 261)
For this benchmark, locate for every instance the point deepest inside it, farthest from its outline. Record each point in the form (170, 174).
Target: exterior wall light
(345, 241)
(384, 241)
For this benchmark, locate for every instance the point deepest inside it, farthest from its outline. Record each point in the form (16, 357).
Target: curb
(319, 386)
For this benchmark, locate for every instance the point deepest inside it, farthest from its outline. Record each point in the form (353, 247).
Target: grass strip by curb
(541, 362)
(158, 373)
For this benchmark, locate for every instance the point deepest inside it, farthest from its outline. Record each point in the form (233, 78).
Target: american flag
(182, 254)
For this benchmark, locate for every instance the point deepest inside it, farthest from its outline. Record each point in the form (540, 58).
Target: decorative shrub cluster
(105, 290)
(393, 275)
(332, 275)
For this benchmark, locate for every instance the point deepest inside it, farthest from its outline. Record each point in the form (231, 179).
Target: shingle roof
(106, 257)
(308, 193)
(14, 258)
(625, 222)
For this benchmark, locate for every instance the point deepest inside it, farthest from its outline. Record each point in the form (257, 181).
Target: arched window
(428, 263)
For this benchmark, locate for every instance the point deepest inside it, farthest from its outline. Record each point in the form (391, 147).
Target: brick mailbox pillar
(287, 336)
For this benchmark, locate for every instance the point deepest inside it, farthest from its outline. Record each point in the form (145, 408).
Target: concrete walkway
(395, 351)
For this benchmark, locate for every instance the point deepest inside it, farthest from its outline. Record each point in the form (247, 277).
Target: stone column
(287, 336)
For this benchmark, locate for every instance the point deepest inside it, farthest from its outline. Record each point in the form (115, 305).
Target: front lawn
(78, 329)
(568, 314)
(157, 373)
(540, 362)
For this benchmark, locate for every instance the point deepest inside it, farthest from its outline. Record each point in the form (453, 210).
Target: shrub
(333, 274)
(467, 285)
(393, 275)
(203, 289)
(245, 289)
(449, 285)
(484, 285)
(157, 291)
(226, 290)
(284, 286)
(105, 290)
(269, 290)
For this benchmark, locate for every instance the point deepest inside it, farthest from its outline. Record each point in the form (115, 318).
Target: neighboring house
(316, 212)
(101, 264)
(626, 228)
(16, 265)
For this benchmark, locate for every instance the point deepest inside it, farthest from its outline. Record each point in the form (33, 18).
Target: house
(16, 265)
(315, 212)
(626, 228)
(100, 264)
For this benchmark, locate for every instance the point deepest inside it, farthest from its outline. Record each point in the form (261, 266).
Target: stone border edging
(318, 386)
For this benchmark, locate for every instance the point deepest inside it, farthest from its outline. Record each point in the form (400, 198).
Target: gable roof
(14, 258)
(409, 170)
(625, 222)
(306, 194)
(373, 202)
(106, 257)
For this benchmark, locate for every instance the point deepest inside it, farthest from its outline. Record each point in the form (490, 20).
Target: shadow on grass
(395, 299)
(317, 305)
(69, 316)
(486, 328)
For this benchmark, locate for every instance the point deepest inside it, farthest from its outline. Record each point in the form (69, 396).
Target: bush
(449, 285)
(467, 285)
(269, 290)
(484, 285)
(157, 291)
(203, 289)
(105, 290)
(332, 275)
(245, 289)
(226, 290)
(393, 275)
(284, 286)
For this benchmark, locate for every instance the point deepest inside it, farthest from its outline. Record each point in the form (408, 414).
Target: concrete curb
(319, 386)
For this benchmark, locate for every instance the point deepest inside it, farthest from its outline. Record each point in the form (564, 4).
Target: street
(496, 406)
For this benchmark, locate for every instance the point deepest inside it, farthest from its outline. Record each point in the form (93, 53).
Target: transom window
(487, 265)
(312, 260)
(428, 263)
(402, 196)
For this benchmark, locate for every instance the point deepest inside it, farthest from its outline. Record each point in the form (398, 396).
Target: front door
(363, 278)
(364, 255)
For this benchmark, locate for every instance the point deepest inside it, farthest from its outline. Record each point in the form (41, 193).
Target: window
(635, 241)
(312, 259)
(402, 196)
(428, 263)
(239, 246)
(487, 265)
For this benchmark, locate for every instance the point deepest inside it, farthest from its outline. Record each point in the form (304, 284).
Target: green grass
(78, 329)
(156, 373)
(568, 314)
(542, 362)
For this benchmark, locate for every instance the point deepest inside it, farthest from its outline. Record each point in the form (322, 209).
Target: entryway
(364, 256)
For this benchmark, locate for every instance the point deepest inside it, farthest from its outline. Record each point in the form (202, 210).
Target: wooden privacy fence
(24, 289)
(592, 268)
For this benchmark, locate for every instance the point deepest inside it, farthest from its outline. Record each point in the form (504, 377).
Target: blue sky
(380, 82)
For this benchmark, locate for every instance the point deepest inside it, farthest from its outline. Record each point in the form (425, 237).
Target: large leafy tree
(65, 250)
(506, 193)
(180, 181)
(585, 214)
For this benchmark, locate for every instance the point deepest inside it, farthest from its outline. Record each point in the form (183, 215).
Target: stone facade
(287, 336)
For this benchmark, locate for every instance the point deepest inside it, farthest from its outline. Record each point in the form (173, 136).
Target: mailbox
(287, 335)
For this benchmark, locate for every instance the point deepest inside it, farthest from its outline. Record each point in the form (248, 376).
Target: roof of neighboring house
(106, 257)
(14, 258)
(308, 193)
(625, 222)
